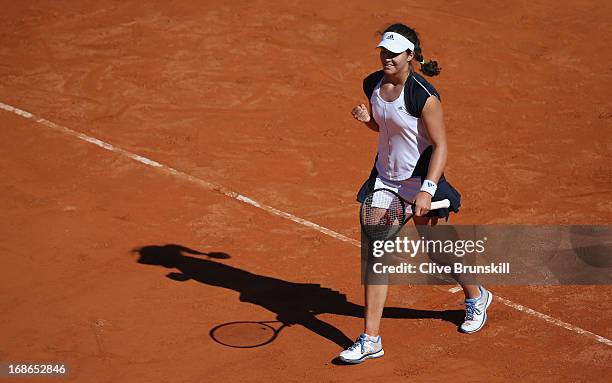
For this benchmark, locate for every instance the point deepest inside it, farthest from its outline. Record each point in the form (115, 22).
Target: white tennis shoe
(363, 349)
(476, 311)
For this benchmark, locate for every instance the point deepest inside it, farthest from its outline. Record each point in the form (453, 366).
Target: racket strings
(383, 213)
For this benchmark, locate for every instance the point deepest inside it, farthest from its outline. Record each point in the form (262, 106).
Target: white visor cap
(395, 43)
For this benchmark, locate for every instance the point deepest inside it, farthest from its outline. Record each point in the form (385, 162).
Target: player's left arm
(434, 122)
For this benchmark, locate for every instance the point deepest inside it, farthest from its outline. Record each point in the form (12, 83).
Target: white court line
(554, 321)
(269, 209)
(180, 174)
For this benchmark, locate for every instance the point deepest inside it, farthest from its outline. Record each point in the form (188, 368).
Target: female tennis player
(412, 151)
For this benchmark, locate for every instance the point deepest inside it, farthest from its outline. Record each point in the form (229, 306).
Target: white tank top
(402, 137)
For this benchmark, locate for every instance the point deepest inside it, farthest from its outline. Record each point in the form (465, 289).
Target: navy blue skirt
(445, 191)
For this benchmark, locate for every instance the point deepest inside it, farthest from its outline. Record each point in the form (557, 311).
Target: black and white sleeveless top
(403, 136)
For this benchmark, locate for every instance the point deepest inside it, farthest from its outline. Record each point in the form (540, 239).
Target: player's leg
(375, 297)
(471, 291)
(369, 343)
(477, 298)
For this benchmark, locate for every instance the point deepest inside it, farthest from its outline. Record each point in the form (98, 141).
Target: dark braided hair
(430, 68)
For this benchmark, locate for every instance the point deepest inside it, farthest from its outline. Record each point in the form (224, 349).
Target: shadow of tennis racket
(246, 334)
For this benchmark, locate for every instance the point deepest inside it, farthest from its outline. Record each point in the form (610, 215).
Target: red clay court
(138, 140)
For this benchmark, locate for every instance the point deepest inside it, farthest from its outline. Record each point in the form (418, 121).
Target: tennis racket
(383, 213)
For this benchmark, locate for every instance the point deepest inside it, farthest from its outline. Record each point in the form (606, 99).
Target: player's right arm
(361, 113)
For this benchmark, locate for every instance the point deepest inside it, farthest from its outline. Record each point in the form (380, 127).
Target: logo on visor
(390, 37)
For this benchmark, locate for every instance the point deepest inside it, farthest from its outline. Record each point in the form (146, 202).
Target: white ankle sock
(373, 338)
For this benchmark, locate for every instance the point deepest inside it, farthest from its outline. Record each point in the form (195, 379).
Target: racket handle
(443, 204)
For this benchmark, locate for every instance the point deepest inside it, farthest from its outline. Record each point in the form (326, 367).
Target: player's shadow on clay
(293, 303)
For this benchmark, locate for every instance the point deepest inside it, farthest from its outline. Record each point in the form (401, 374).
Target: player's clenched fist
(360, 112)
